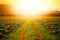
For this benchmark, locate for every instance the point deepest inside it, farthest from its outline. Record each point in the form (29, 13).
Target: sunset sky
(31, 7)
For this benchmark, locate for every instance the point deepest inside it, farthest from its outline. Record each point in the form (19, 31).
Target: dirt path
(22, 34)
(39, 37)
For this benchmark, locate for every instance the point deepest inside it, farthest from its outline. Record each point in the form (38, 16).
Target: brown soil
(39, 37)
(22, 34)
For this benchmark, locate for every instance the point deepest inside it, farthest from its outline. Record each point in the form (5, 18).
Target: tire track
(39, 37)
(22, 34)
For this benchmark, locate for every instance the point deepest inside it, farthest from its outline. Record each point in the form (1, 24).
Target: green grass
(16, 32)
(45, 32)
(14, 35)
(30, 34)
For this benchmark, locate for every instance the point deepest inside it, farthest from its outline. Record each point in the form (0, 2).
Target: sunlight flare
(33, 7)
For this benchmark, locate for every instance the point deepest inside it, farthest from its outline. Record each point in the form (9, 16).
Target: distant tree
(53, 13)
(5, 10)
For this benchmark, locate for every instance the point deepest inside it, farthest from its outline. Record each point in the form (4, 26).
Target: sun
(29, 8)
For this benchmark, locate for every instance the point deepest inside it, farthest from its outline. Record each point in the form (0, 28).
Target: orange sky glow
(32, 7)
